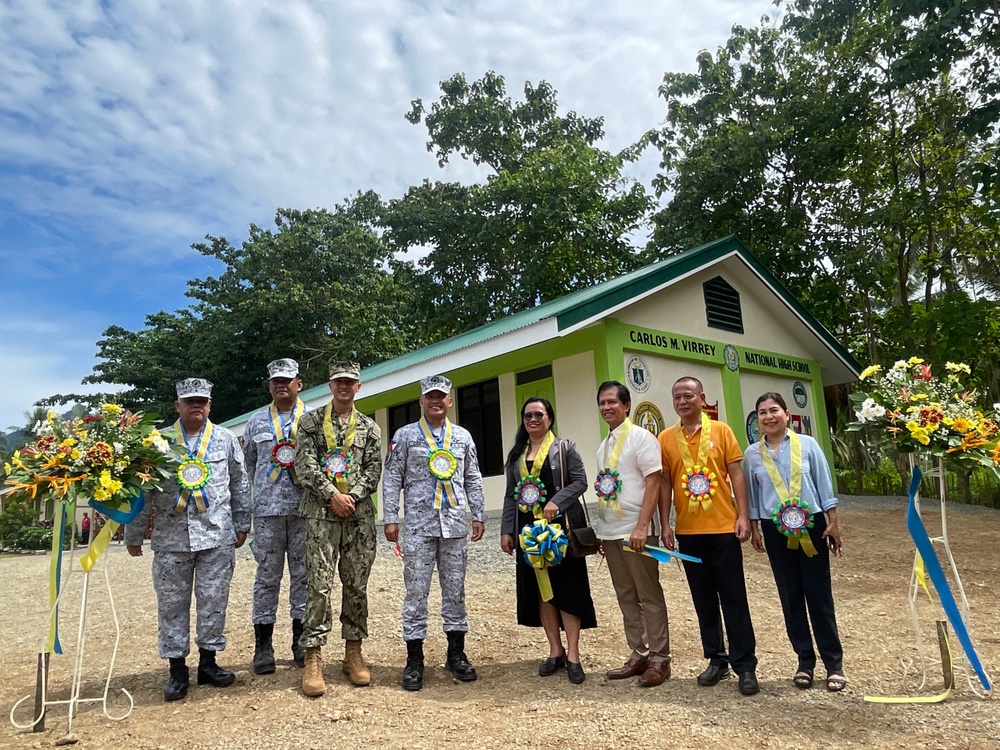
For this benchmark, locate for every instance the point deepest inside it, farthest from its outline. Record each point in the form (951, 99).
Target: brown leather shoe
(657, 673)
(635, 665)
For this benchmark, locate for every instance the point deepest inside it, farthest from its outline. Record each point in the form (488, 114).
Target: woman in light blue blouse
(791, 495)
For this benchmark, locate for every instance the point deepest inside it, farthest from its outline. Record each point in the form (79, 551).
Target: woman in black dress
(565, 480)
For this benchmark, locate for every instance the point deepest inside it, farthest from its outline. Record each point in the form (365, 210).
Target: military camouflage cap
(344, 369)
(283, 368)
(194, 388)
(435, 383)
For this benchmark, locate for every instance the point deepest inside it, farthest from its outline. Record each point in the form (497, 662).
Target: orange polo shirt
(723, 451)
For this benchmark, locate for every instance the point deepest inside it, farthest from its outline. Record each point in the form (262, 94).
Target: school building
(714, 312)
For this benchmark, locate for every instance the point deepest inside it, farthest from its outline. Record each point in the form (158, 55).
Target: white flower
(870, 411)
(901, 364)
(119, 448)
(161, 445)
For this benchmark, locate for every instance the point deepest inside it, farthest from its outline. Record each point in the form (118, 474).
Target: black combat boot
(298, 653)
(177, 686)
(413, 672)
(263, 653)
(210, 673)
(458, 663)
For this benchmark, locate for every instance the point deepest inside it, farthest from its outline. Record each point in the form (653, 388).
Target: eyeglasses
(529, 415)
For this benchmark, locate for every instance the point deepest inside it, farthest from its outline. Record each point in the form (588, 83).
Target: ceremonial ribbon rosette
(337, 463)
(442, 463)
(194, 473)
(530, 490)
(794, 519)
(793, 516)
(700, 483)
(544, 545)
(608, 485)
(283, 453)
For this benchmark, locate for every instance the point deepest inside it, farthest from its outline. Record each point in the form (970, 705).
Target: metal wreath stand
(41, 695)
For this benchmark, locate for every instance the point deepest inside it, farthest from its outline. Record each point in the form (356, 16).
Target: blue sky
(130, 130)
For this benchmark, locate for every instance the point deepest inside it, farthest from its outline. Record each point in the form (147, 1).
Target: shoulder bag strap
(562, 476)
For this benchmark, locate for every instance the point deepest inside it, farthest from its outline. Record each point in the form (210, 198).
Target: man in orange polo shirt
(704, 476)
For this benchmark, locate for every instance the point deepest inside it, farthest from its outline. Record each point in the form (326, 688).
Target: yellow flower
(7, 468)
(67, 443)
(918, 433)
(961, 425)
(105, 478)
(115, 487)
(75, 454)
(912, 425)
(918, 397)
(112, 410)
(101, 494)
(958, 367)
(915, 361)
(870, 370)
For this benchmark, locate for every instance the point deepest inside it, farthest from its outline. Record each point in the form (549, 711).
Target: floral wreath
(283, 447)
(439, 456)
(204, 472)
(530, 493)
(328, 463)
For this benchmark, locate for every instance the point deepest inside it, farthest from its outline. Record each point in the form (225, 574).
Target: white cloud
(134, 128)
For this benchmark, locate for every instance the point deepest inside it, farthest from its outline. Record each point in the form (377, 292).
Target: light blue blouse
(817, 485)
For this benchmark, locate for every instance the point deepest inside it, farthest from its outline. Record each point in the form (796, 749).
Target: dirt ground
(510, 705)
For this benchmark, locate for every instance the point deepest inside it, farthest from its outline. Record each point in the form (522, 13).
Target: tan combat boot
(354, 664)
(312, 675)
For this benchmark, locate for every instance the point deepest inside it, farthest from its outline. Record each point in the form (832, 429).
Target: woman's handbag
(582, 539)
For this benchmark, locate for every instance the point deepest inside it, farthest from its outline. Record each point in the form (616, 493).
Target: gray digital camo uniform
(278, 530)
(329, 537)
(196, 550)
(432, 536)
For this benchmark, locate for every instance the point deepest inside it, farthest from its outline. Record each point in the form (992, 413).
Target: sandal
(835, 682)
(803, 679)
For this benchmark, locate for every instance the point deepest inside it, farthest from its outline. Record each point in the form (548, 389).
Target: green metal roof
(584, 304)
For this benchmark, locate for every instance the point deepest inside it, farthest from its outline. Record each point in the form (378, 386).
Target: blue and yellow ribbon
(62, 509)
(116, 517)
(660, 554)
(198, 453)
(936, 573)
(443, 488)
(544, 545)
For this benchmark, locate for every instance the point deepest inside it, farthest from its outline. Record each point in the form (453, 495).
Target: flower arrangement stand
(918, 583)
(75, 699)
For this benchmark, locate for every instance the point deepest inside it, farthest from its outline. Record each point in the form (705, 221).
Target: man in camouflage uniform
(278, 530)
(195, 536)
(436, 520)
(340, 522)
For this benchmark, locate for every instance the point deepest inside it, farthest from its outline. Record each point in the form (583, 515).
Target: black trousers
(804, 585)
(717, 582)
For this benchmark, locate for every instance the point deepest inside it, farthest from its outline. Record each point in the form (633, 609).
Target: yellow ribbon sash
(608, 484)
(340, 446)
(284, 438)
(530, 491)
(193, 473)
(442, 464)
(793, 517)
(700, 483)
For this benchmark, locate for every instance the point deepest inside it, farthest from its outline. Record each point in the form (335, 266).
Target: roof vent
(722, 305)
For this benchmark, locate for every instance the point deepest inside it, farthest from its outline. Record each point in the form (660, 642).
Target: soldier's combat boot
(210, 673)
(177, 686)
(413, 672)
(312, 675)
(354, 664)
(458, 663)
(263, 652)
(298, 653)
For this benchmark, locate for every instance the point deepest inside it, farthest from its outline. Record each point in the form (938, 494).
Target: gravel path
(510, 705)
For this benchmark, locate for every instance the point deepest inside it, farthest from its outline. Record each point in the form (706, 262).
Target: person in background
(787, 472)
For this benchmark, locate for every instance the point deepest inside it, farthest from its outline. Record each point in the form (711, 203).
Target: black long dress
(570, 582)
